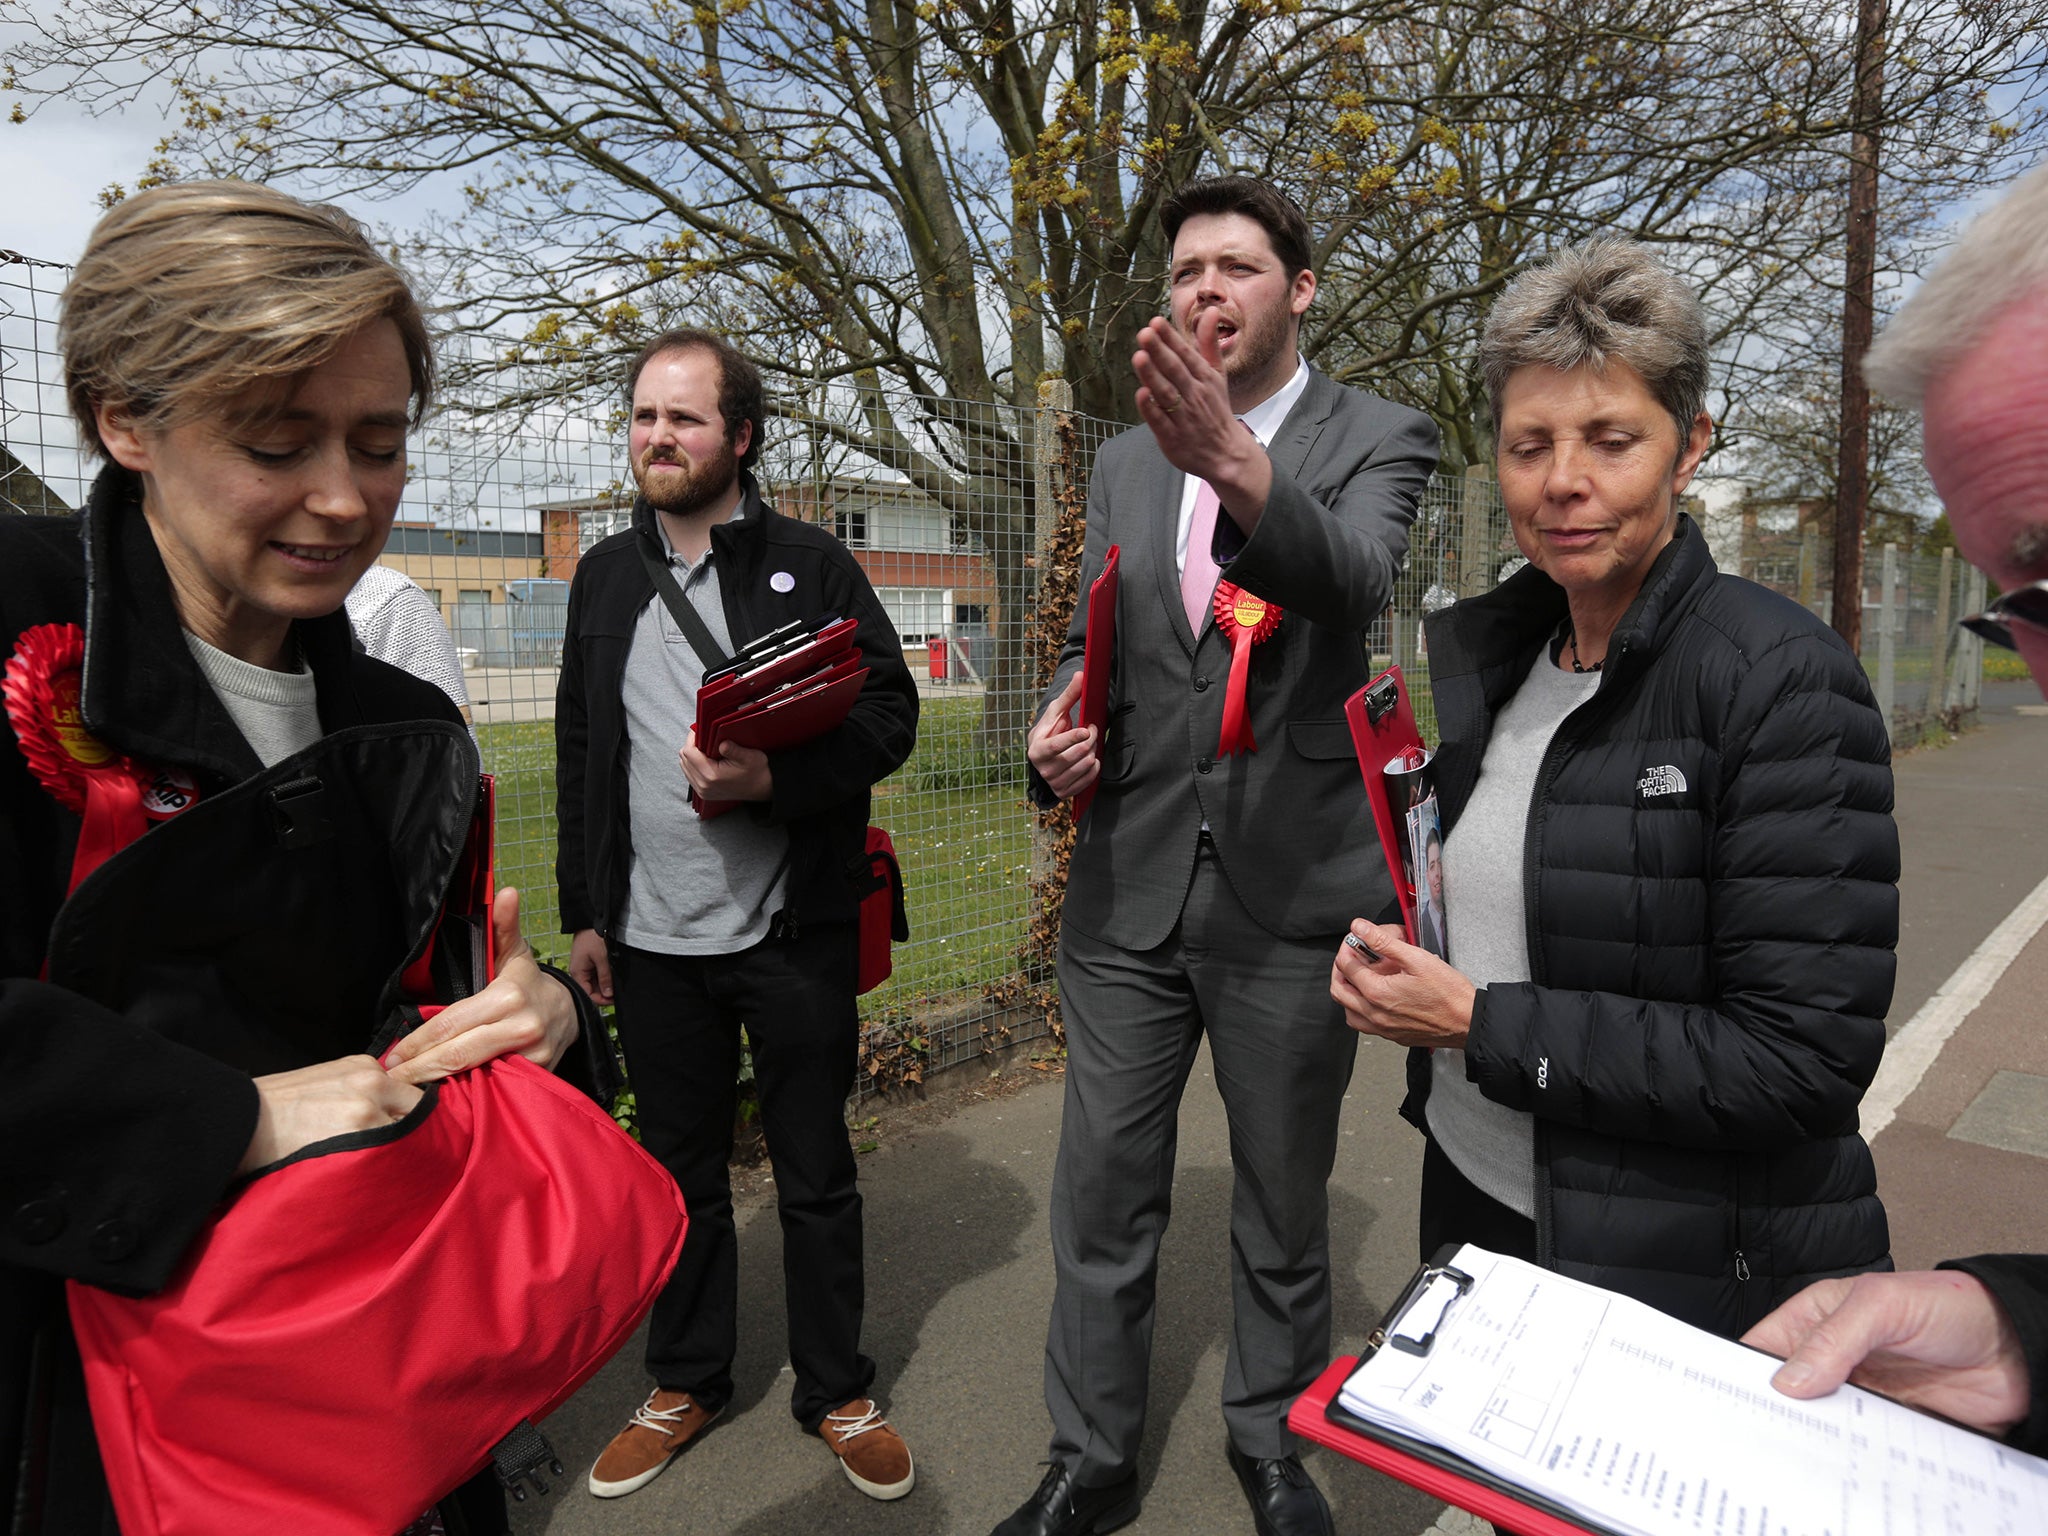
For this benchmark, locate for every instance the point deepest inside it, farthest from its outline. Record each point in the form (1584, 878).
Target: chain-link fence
(952, 507)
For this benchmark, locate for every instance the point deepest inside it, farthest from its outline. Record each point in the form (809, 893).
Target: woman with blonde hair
(248, 366)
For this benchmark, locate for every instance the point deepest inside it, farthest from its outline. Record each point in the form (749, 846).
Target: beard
(1262, 336)
(695, 488)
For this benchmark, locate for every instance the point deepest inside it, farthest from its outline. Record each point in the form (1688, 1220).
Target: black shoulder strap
(687, 618)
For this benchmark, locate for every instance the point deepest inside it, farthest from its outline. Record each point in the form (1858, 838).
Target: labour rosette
(116, 796)
(1244, 619)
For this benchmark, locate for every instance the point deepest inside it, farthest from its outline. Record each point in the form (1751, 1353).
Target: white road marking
(1914, 1048)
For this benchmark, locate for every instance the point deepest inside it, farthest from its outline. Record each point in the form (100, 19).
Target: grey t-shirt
(278, 713)
(1492, 1145)
(696, 887)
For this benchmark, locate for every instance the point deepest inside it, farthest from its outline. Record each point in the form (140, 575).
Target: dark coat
(2020, 1282)
(1348, 471)
(1711, 880)
(125, 1095)
(821, 786)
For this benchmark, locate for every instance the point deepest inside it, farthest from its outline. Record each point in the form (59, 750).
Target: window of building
(911, 528)
(917, 612)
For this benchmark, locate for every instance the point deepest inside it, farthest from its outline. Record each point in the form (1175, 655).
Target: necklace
(1571, 639)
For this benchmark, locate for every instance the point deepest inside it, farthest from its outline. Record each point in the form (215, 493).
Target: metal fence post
(1937, 669)
(1973, 647)
(1887, 640)
(1054, 397)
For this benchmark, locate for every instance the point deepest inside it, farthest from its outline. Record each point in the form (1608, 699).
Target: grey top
(278, 713)
(398, 623)
(1492, 1145)
(697, 887)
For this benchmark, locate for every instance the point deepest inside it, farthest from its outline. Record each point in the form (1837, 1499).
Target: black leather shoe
(1285, 1500)
(1059, 1508)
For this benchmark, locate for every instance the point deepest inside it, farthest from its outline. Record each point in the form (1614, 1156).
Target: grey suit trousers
(1282, 1056)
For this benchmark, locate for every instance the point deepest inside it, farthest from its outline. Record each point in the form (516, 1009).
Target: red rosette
(44, 677)
(115, 795)
(1245, 619)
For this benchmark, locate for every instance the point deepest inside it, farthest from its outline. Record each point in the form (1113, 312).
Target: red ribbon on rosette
(117, 796)
(1245, 620)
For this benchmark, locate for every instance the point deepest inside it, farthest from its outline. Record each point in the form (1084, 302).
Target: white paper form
(1646, 1425)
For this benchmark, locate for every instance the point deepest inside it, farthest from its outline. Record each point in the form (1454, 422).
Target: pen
(1363, 948)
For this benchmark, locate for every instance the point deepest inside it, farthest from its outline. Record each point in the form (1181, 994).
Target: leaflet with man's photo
(1411, 793)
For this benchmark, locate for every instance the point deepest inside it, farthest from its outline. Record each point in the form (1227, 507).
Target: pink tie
(1198, 574)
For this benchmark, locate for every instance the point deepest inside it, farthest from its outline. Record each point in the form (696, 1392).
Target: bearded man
(698, 929)
(1228, 844)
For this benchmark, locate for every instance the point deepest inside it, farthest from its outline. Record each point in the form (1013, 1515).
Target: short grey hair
(1607, 297)
(2000, 259)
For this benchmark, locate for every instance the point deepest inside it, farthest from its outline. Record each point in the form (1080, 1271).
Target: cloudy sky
(53, 167)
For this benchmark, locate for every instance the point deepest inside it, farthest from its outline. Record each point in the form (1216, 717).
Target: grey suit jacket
(1290, 821)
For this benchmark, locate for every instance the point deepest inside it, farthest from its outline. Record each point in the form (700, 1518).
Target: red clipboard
(829, 646)
(1318, 1416)
(797, 695)
(809, 710)
(1098, 657)
(1382, 724)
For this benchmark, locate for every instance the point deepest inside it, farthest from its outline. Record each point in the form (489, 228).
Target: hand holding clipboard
(1098, 657)
(1060, 747)
(1610, 1417)
(1399, 985)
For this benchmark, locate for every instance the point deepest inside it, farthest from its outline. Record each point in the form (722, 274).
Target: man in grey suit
(1208, 885)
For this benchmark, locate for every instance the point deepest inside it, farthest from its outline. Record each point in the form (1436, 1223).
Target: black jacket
(181, 968)
(1711, 883)
(2020, 1282)
(821, 786)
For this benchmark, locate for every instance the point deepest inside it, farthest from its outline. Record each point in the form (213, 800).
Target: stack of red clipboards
(1382, 725)
(785, 688)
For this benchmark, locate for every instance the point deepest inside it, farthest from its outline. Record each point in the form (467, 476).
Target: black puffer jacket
(1711, 883)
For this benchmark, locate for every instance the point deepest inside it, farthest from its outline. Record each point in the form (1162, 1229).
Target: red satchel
(883, 919)
(370, 1322)
(368, 1319)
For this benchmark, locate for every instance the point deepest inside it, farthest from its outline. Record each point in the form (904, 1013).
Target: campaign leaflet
(1411, 794)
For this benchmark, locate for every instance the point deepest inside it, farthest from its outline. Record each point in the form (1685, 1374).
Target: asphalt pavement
(960, 1270)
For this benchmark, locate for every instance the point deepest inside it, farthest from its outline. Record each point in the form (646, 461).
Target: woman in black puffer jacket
(1642, 1064)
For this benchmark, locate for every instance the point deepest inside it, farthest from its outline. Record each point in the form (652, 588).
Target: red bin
(935, 648)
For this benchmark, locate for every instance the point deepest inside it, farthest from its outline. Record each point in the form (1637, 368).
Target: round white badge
(782, 581)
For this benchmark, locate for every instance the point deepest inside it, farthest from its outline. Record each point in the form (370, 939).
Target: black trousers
(679, 1019)
(1455, 1210)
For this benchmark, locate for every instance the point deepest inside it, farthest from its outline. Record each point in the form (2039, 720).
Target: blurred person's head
(1970, 349)
(1240, 248)
(1595, 364)
(697, 408)
(256, 363)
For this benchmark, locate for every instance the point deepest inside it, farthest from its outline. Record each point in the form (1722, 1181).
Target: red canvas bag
(372, 1321)
(368, 1319)
(883, 917)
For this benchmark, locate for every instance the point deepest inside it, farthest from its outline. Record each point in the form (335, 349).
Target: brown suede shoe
(875, 1459)
(640, 1452)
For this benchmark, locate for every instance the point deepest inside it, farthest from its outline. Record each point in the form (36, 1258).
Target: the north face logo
(1661, 781)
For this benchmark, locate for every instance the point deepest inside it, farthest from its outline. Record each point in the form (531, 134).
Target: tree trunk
(1852, 484)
